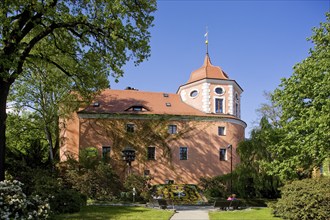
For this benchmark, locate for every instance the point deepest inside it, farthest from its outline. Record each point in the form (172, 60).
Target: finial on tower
(206, 35)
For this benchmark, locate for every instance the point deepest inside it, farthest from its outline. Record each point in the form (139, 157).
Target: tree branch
(42, 57)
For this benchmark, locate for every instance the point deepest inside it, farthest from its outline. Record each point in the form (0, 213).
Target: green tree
(73, 37)
(24, 129)
(305, 104)
(44, 90)
(252, 174)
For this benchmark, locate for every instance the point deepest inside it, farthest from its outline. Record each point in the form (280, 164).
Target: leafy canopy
(74, 36)
(85, 40)
(305, 104)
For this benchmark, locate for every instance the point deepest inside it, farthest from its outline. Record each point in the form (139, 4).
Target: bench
(161, 203)
(228, 204)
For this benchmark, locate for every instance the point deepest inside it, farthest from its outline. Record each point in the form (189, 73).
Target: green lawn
(117, 213)
(247, 214)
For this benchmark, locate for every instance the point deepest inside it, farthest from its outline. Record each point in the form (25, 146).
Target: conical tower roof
(207, 71)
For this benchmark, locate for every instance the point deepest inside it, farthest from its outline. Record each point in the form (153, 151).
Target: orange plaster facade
(103, 123)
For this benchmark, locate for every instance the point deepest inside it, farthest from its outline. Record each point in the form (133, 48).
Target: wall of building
(199, 136)
(69, 137)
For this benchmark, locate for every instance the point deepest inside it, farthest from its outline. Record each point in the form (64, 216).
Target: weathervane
(206, 35)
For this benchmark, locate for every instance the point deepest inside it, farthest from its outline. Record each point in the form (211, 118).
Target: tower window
(151, 154)
(106, 152)
(193, 93)
(183, 153)
(223, 154)
(237, 110)
(146, 172)
(221, 131)
(218, 105)
(219, 90)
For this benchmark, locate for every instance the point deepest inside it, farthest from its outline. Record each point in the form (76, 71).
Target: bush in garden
(179, 193)
(140, 183)
(67, 201)
(99, 182)
(304, 199)
(14, 204)
(213, 187)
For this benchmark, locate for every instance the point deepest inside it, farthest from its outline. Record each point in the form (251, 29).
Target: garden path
(191, 213)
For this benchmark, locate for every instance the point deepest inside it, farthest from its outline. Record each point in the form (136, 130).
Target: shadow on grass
(117, 212)
(246, 214)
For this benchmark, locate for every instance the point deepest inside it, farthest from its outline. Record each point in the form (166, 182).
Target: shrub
(140, 183)
(213, 187)
(67, 201)
(99, 182)
(15, 205)
(304, 199)
(179, 193)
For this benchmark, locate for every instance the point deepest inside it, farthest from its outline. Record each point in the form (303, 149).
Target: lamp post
(128, 155)
(231, 168)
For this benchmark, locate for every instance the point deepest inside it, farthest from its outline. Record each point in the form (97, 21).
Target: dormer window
(96, 104)
(137, 108)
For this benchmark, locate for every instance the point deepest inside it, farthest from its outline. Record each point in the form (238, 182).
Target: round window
(218, 90)
(194, 93)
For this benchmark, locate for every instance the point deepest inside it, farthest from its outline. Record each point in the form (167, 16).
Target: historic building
(181, 137)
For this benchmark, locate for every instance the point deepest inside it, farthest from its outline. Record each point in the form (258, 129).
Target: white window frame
(226, 154)
(224, 130)
(223, 90)
(180, 153)
(224, 105)
(172, 125)
(192, 90)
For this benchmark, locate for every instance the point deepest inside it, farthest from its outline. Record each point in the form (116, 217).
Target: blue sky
(255, 42)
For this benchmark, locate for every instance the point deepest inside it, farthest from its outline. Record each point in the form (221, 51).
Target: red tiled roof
(121, 101)
(207, 71)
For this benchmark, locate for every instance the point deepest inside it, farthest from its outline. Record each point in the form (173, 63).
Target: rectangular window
(218, 105)
(146, 172)
(172, 129)
(183, 153)
(223, 154)
(221, 131)
(237, 110)
(130, 128)
(106, 152)
(137, 108)
(151, 154)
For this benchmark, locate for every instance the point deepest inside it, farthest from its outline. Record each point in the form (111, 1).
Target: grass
(117, 213)
(247, 214)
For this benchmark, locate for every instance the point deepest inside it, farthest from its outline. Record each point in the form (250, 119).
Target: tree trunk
(56, 150)
(4, 91)
(50, 144)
